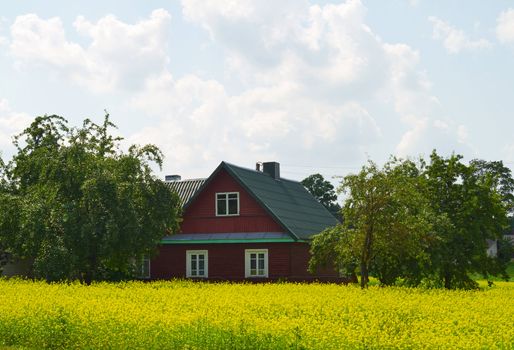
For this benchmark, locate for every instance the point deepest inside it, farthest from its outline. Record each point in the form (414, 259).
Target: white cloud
(201, 123)
(119, 56)
(328, 49)
(409, 86)
(306, 71)
(508, 153)
(309, 77)
(505, 26)
(11, 124)
(3, 39)
(427, 135)
(455, 40)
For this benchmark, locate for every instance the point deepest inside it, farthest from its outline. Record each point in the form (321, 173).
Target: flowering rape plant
(182, 314)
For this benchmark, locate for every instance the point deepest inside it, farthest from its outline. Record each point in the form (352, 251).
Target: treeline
(77, 207)
(421, 222)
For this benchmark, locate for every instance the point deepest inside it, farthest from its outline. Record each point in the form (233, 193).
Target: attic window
(227, 203)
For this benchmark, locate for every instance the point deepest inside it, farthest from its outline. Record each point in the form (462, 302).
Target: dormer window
(227, 204)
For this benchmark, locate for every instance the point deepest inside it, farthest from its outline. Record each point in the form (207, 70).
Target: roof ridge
(182, 180)
(258, 172)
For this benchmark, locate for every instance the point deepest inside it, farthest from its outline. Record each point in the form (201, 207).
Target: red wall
(200, 216)
(227, 261)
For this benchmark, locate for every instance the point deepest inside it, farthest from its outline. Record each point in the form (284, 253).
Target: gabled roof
(287, 201)
(185, 188)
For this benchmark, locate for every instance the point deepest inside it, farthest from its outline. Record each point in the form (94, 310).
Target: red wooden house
(243, 224)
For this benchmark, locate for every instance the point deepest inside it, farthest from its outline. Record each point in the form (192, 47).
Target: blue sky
(320, 86)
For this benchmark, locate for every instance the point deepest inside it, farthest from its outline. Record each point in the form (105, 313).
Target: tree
(324, 192)
(387, 224)
(472, 198)
(80, 207)
(4, 256)
(422, 222)
(501, 177)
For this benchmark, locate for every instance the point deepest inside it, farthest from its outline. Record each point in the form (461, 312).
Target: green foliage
(77, 205)
(324, 192)
(422, 222)
(388, 222)
(470, 197)
(501, 179)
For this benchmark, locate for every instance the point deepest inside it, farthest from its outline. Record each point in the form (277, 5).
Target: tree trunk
(364, 275)
(365, 257)
(89, 274)
(353, 277)
(447, 280)
(88, 278)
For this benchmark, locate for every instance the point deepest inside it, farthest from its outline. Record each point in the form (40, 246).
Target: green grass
(510, 273)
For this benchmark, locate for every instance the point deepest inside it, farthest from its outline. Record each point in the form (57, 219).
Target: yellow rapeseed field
(181, 314)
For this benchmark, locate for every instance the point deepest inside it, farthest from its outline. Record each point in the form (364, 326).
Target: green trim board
(228, 241)
(232, 237)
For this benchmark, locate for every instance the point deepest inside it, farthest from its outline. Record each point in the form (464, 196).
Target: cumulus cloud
(455, 40)
(201, 122)
(308, 78)
(3, 39)
(305, 70)
(508, 152)
(309, 74)
(119, 55)
(11, 123)
(505, 26)
(427, 134)
(328, 49)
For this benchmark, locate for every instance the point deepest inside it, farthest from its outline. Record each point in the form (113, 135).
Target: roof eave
(229, 241)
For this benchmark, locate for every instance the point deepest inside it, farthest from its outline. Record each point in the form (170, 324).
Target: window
(197, 263)
(256, 263)
(144, 267)
(227, 203)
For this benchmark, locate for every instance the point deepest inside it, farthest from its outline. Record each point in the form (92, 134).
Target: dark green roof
(287, 201)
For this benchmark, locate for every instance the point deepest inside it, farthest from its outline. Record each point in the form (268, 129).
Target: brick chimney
(170, 178)
(272, 169)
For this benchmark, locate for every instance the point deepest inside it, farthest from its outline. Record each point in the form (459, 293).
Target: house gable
(200, 212)
(285, 200)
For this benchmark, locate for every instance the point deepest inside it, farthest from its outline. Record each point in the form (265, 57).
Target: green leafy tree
(324, 192)
(80, 207)
(387, 226)
(4, 256)
(501, 178)
(471, 197)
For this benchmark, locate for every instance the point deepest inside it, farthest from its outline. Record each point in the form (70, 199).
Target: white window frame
(226, 203)
(247, 263)
(189, 253)
(144, 259)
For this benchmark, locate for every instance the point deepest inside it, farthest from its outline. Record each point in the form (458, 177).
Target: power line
(322, 167)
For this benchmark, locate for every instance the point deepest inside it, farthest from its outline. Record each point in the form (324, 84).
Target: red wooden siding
(200, 216)
(227, 261)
